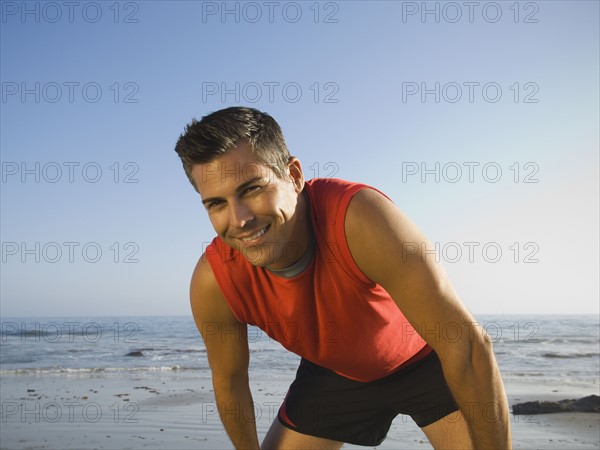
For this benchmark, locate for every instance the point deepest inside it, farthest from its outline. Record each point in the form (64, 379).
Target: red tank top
(331, 313)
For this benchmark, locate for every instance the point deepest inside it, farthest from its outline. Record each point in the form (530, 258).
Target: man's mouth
(256, 235)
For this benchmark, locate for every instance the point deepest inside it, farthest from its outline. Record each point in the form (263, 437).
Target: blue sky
(500, 103)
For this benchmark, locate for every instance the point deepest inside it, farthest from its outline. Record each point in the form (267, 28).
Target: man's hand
(226, 341)
(388, 248)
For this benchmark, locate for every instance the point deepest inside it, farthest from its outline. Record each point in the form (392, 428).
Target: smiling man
(339, 264)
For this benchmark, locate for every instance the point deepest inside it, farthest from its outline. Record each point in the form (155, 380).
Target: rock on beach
(591, 403)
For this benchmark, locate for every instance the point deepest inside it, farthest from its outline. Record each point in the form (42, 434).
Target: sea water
(530, 349)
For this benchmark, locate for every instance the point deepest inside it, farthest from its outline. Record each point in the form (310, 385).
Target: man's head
(252, 196)
(221, 131)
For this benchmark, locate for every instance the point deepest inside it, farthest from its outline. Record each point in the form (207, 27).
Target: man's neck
(308, 245)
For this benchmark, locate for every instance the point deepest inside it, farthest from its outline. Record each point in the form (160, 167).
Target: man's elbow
(470, 357)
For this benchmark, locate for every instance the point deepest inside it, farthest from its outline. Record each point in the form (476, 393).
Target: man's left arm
(390, 250)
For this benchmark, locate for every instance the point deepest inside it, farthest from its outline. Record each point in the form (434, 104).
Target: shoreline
(176, 410)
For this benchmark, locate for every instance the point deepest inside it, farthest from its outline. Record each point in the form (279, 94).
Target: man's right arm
(226, 342)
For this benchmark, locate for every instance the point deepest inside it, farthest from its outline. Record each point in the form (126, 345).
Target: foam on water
(536, 348)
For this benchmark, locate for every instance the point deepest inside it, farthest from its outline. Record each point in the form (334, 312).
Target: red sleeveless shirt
(331, 313)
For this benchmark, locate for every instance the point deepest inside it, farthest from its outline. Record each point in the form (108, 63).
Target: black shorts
(324, 404)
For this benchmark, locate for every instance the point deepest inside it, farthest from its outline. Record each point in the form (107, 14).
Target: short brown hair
(205, 140)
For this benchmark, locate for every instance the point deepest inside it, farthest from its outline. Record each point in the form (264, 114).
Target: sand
(176, 410)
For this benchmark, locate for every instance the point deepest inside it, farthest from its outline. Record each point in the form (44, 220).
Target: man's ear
(296, 174)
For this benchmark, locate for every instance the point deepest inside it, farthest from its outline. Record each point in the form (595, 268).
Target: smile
(256, 235)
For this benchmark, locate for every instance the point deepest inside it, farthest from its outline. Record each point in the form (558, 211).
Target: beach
(175, 410)
(144, 382)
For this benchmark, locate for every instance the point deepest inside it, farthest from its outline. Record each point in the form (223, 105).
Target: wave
(511, 341)
(55, 334)
(569, 355)
(92, 370)
(560, 340)
(201, 350)
(165, 351)
(17, 360)
(526, 374)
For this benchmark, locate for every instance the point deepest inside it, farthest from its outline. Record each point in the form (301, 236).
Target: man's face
(253, 210)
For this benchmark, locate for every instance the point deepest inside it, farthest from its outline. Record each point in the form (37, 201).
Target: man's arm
(226, 341)
(388, 248)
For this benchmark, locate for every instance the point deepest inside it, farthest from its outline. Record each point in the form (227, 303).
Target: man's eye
(251, 189)
(214, 204)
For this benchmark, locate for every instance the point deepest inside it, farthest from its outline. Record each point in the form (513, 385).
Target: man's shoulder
(330, 183)
(332, 189)
(218, 250)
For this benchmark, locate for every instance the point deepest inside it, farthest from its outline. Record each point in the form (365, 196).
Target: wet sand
(176, 410)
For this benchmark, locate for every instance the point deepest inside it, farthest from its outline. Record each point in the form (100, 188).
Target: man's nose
(239, 214)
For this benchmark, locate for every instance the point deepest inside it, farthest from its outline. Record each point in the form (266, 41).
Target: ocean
(530, 349)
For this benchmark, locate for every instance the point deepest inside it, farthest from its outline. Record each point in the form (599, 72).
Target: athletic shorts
(325, 404)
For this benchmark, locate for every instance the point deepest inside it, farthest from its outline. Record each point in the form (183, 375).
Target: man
(340, 264)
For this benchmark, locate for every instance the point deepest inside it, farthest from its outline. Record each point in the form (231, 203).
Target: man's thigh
(280, 437)
(450, 432)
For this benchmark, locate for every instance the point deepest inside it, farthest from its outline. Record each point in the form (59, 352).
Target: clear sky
(480, 120)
